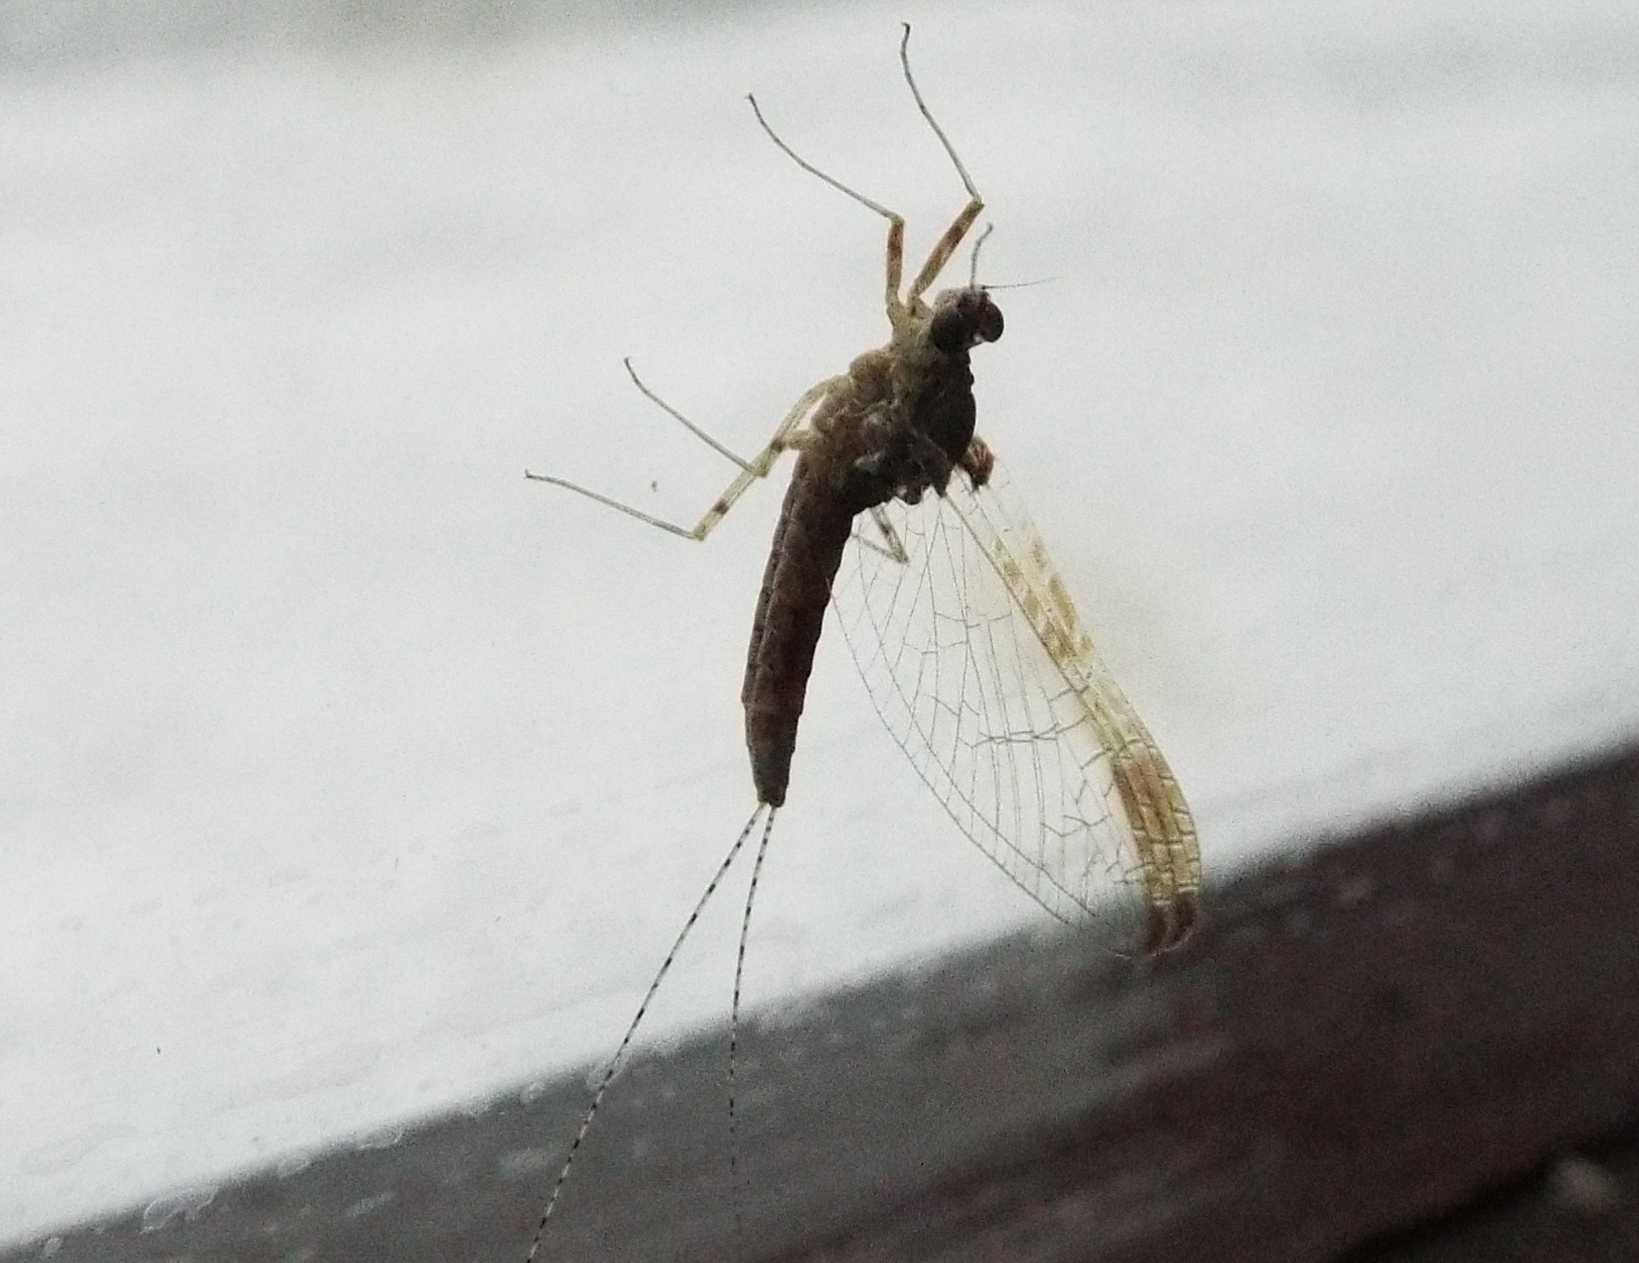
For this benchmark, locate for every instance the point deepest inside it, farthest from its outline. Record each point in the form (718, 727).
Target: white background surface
(346, 777)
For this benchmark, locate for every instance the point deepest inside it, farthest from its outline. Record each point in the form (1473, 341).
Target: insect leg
(978, 461)
(787, 435)
(947, 244)
(896, 223)
(890, 545)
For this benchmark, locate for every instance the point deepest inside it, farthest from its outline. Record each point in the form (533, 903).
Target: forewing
(976, 661)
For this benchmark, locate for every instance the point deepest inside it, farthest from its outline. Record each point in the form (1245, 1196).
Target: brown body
(898, 427)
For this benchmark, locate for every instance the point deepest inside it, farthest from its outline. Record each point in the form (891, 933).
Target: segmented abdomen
(808, 543)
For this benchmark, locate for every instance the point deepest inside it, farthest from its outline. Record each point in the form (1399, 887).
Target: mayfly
(968, 642)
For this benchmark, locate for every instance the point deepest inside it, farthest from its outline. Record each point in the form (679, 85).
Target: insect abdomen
(808, 543)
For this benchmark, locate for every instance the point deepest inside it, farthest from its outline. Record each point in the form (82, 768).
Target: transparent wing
(975, 659)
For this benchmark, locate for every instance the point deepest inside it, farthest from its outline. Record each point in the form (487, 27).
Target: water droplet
(1355, 890)
(532, 1092)
(385, 1138)
(365, 1205)
(524, 1164)
(187, 1202)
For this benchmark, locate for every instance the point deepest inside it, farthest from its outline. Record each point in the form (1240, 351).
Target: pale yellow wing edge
(1164, 837)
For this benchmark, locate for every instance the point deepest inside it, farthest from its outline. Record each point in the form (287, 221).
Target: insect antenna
(973, 266)
(734, 1028)
(1040, 280)
(618, 1059)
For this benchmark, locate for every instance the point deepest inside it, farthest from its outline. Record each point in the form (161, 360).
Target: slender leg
(896, 267)
(943, 249)
(890, 545)
(948, 243)
(896, 223)
(787, 436)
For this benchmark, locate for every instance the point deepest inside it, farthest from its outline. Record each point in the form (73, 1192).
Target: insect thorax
(906, 418)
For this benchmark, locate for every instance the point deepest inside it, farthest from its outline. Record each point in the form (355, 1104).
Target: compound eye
(988, 323)
(963, 319)
(949, 330)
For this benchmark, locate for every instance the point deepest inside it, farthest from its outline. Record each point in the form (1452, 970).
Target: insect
(899, 518)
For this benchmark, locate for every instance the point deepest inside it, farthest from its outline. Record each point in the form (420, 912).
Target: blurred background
(348, 778)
